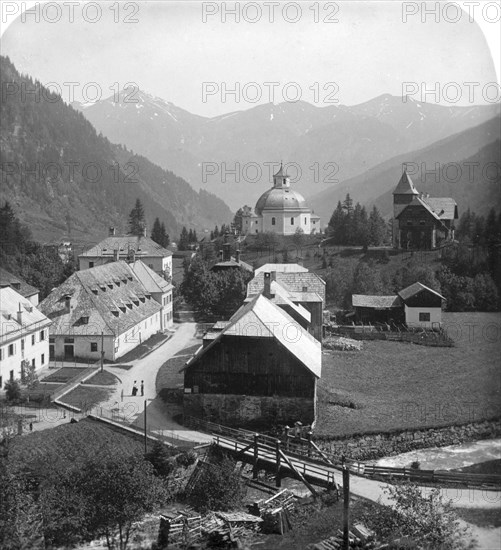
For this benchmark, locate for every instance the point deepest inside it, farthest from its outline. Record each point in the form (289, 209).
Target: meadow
(390, 386)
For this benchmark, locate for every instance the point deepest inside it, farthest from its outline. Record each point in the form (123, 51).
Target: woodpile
(360, 539)
(342, 344)
(275, 512)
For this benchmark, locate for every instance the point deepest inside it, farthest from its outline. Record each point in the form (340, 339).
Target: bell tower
(280, 179)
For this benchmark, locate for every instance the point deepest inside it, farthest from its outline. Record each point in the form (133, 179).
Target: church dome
(278, 198)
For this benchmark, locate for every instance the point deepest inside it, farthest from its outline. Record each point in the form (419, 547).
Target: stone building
(24, 335)
(421, 222)
(130, 248)
(106, 305)
(280, 210)
(259, 368)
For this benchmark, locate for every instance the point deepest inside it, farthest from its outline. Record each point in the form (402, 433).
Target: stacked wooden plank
(275, 512)
(359, 539)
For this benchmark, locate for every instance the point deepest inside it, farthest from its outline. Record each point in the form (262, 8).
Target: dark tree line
(476, 229)
(352, 226)
(38, 265)
(187, 239)
(159, 234)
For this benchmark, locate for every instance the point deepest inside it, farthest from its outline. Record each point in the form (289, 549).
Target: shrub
(12, 390)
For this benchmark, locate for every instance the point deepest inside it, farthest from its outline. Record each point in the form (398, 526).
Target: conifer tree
(137, 221)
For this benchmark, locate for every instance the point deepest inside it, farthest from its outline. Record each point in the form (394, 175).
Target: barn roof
(110, 297)
(10, 303)
(262, 318)
(376, 302)
(142, 246)
(416, 288)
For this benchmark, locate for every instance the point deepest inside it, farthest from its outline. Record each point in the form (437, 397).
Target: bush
(12, 390)
(220, 486)
(187, 458)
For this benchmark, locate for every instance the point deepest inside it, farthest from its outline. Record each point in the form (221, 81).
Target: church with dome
(280, 210)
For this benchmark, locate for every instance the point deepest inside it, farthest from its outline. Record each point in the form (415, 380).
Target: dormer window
(94, 291)
(130, 277)
(84, 320)
(136, 301)
(124, 281)
(122, 309)
(110, 286)
(103, 288)
(129, 305)
(305, 289)
(142, 298)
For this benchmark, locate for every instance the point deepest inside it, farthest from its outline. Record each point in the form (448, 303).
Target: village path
(146, 369)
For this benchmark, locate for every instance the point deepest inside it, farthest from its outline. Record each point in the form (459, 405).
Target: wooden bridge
(299, 457)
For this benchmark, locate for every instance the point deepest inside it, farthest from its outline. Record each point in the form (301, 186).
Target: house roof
(234, 263)
(306, 287)
(444, 207)
(282, 268)
(282, 297)
(416, 288)
(376, 302)
(405, 186)
(10, 303)
(95, 294)
(143, 246)
(22, 287)
(262, 318)
(149, 279)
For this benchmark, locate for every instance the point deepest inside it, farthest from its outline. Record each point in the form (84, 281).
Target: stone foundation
(371, 447)
(249, 410)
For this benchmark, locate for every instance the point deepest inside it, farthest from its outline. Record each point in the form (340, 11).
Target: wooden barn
(259, 368)
(415, 306)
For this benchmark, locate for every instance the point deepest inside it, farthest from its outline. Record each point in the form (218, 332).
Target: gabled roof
(149, 279)
(10, 303)
(282, 268)
(22, 287)
(95, 294)
(262, 318)
(142, 246)
(405, 186)
(444, 207)
(376, 302)
(282, 297)
(233, 263)
(417, 201)
(416, 288)
(306, 287)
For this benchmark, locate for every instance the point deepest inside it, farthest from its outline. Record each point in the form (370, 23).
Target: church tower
(281, 180)
(403, 194)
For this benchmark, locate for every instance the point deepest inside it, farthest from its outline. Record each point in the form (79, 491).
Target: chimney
(67, 303)
(237, 256)
(267, 285)
(226, 252)
(132, 256)
(116, 254)
(111, 231)
(20, 315)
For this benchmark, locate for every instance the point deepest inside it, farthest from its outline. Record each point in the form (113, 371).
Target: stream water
(447, 458)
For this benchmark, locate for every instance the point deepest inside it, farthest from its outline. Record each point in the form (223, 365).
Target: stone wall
(371, 447)
(245, 410)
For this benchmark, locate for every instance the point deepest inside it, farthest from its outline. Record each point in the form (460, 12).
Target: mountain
(476, 185)
(64, 178)
(329, 144)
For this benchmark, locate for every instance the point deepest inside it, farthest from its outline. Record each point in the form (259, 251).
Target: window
(424, 317)
(22, 344)
(33, 363)
(11, 350)
(69, 340)
(0, 382)
(42, 335)
(421, 222)
(52, 340)
(1, 359)
(409, 222)
(93, 346)
(91, 264)
(42, 359)
(11, 375)
(32, 339)
(273, 221)
(305, 221)
(150, 266)
(292, 221)
(255, 222)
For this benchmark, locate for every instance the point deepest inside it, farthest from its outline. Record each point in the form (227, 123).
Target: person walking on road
(142, 387)
(134, 389)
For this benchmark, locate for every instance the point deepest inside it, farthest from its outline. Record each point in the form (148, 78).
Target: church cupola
(281, 180)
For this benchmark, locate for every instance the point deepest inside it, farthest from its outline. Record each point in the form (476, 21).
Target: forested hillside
(64, 178)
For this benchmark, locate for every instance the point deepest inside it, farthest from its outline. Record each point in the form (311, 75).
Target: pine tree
(183, 239)
(156, 232)
(137, 221)
(165, 237)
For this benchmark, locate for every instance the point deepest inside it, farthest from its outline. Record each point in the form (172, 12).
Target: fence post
(346, 508)
(310, 433)
(255, 469)
(287, 429)
(277, 458)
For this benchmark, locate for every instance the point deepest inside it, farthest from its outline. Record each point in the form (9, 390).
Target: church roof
(405, 186)
(278, 198)
(280, 173)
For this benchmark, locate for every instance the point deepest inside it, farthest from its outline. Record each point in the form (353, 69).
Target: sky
(173, 51)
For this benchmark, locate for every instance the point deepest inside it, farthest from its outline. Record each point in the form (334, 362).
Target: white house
(24, 335)
(280, 210)
(422, 306)
(102, 305)
(22, 287)
(131, 248)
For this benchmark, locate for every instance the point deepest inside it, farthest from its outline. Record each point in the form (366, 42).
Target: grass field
(104, 378)
(71, 441)
(84, 397)
(64, 375)
(392, 385)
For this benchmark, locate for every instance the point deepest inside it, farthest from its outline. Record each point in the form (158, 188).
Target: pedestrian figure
(134, 389)
(142, 387)
(31, 426)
